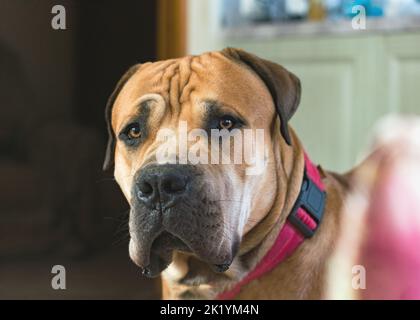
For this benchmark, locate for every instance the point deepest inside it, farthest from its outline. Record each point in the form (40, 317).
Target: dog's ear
(110, 149)
(283, 85)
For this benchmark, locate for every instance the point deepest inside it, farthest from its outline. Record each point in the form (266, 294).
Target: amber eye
(133, 131)
(226, 123)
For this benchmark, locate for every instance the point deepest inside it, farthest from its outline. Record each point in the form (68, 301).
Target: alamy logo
(58, 282)
(359, 277)
(359, 20)
(59, 20)
(196, 147)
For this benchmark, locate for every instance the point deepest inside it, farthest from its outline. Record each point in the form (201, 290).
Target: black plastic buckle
(312, 199)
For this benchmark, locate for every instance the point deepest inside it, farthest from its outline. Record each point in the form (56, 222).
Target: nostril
(145, 188)
(173, 184)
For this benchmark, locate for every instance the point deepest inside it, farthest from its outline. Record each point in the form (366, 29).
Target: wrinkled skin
(220, 203)
(210, 219)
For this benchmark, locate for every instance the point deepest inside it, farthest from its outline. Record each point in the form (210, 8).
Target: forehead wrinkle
(178, 84)
(155, 71)
(165, 86)
(174, 104)
(185, 88)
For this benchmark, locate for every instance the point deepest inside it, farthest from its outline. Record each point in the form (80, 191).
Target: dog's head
(183, 192)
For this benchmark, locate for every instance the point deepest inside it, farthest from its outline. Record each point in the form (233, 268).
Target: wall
(47, 55)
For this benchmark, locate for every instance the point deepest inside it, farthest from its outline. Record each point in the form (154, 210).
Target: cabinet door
(338, 84)
(401, 90)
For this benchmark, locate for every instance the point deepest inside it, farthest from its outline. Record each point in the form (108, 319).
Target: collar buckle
(312, 199)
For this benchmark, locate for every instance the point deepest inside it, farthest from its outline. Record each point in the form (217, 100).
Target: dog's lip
(176, 242)
(161, 251)
(220, 268)
(159, 254)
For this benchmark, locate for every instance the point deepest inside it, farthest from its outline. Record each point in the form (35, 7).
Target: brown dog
(205, 226)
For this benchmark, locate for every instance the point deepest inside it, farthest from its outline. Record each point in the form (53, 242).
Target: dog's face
(197, 207)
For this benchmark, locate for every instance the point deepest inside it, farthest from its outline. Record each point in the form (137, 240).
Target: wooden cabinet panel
(322, 120)
(402, 59)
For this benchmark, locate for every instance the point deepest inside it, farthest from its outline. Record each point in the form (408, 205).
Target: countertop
(326, 27)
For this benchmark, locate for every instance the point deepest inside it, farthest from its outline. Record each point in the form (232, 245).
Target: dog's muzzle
(172, 210)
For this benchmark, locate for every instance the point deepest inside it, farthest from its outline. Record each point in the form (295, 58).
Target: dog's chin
(161, 254)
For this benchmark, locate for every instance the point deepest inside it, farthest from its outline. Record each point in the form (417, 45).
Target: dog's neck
(190, 278)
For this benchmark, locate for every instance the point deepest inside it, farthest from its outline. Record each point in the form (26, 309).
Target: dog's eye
(132, 134)
(133, 131)
(226, 123)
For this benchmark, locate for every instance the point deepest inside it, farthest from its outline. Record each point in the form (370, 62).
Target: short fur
(266, 95)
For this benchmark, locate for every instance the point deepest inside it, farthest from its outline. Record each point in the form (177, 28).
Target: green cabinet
(401, 73)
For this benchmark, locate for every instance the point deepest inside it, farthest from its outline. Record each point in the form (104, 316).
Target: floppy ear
(110, 149)
(283, 85)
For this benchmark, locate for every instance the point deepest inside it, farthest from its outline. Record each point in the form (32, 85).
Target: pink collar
(302, 223)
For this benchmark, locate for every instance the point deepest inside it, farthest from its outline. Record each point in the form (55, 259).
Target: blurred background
(58, 207)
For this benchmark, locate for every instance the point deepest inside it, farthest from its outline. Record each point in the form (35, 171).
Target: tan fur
(178, 87)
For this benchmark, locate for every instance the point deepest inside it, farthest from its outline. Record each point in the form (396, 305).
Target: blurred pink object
(391, 248)
(381, 221)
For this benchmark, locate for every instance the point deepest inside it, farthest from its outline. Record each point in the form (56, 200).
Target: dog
(212, 230)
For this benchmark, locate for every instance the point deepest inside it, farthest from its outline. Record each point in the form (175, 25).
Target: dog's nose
(162, 184)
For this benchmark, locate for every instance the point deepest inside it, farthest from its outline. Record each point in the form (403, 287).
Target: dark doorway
(56, 204)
